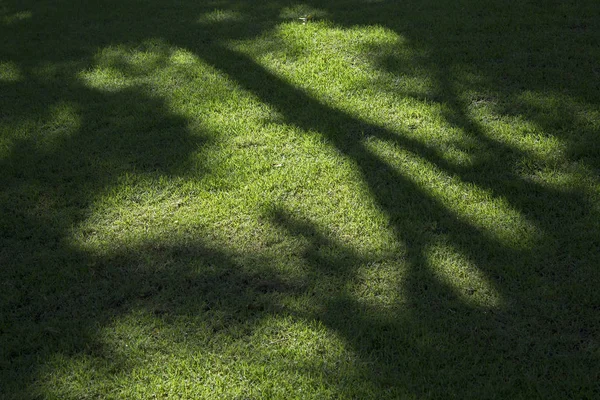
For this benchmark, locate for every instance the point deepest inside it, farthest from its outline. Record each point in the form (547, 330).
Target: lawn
(216, 199)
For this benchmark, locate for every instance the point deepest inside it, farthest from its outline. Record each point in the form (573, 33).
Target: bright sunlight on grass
(271, 199)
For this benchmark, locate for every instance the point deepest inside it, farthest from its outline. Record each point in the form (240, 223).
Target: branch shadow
(556, 334)
(524, 333)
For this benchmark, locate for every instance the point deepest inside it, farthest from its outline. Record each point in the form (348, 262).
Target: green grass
(211, 199)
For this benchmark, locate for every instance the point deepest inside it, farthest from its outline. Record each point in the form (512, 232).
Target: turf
(216, 199)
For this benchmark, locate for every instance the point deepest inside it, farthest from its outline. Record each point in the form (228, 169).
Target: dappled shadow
(546, 324)
(472, 336)
(64, 146)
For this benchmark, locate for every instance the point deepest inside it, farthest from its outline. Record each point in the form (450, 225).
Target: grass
(215, 200)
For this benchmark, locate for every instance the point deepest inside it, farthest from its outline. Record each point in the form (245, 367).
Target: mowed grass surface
(211, 199)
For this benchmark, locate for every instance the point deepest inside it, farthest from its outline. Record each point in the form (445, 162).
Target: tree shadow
(57, 296)
(544, 329)
(554, 268)
(64, 146)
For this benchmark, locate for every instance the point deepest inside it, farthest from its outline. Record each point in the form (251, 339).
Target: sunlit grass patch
(328, 62)
(470, 285)
(9, 72)
(143, 355)
(300, 10)
(220, 16)
(64, 120)
(15, 18)
(243, 129)
(470, 204)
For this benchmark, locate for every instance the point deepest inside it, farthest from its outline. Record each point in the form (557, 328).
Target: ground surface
(213, 199)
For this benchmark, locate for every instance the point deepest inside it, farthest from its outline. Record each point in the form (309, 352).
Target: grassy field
(213, 199)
